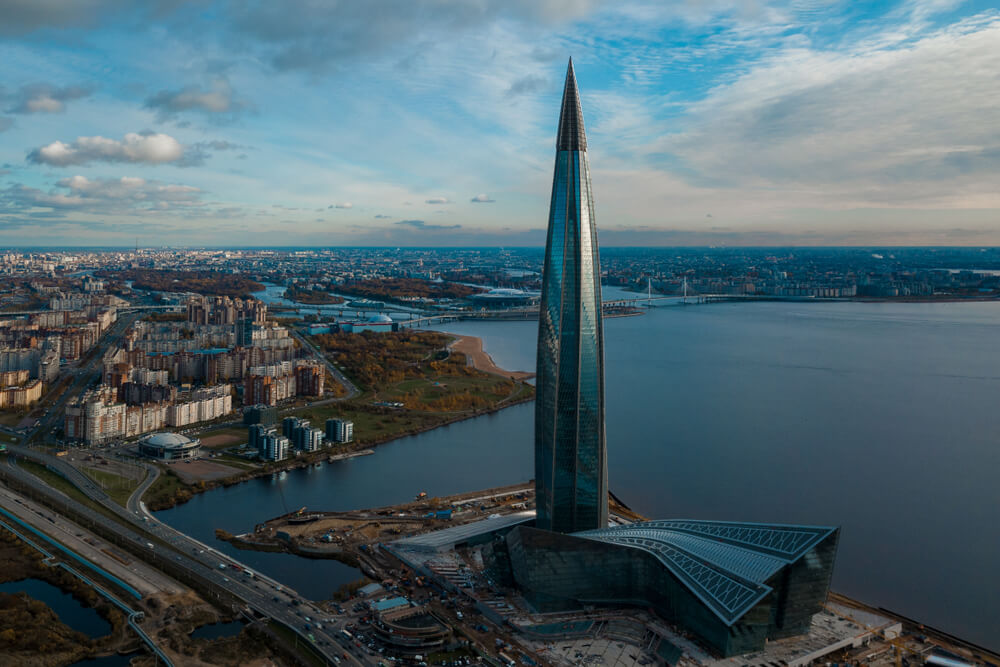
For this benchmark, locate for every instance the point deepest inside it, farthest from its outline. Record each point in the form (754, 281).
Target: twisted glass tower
(571, 472)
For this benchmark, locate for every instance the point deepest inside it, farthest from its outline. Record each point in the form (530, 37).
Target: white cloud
(127, 195)
(218, 99)
(872, 125)
(45, 98)
(482, 199)
(345, 204)
(135, 148)
(438, 200)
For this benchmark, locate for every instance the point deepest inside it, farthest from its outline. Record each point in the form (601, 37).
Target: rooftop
(447, 538)
(168, 440)
(725, 564)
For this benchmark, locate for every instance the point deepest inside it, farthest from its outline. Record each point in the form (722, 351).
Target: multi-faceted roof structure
(726, 565)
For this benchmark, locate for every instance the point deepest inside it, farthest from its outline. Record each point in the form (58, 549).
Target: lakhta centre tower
(571, 473)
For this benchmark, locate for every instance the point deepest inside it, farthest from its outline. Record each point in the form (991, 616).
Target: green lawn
(164, 489)
(60, 483)
(117, 487)
(371, 426)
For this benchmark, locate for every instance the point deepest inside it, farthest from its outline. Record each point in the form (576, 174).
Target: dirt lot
(223, 439)
(198, 470)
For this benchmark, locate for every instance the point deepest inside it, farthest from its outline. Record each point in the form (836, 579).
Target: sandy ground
(198, 470)
(143, 578)
(472, 348)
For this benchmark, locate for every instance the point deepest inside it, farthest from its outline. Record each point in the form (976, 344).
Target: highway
(352, 390)
(261, 596)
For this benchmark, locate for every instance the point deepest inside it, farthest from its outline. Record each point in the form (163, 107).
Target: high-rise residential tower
(571, 472)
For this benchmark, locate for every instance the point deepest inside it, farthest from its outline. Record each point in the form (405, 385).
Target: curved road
(260, 594)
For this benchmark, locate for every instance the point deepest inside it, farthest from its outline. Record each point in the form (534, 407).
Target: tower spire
(571, 136)
(571, 473)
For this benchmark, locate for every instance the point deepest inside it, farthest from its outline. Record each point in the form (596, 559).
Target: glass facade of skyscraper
(570, 453)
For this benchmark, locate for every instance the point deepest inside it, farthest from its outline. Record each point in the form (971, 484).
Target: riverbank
(472, 348)
(181, 492)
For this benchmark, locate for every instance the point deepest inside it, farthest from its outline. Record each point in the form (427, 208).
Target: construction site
(437, 586)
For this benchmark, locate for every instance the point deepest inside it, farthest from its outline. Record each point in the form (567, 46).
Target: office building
(275, 447)
(339, 430)
(735, 586)
(571, 474)
(260, 414)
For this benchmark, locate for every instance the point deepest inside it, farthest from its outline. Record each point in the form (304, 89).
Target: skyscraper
(571, 473)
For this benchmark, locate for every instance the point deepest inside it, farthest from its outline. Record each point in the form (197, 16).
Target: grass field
(370, 426)
(163, 491)
(117, 487)
(59, 483)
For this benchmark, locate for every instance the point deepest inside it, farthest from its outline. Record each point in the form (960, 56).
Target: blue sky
(432, 122)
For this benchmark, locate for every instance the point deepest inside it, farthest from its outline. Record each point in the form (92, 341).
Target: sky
(433, 122)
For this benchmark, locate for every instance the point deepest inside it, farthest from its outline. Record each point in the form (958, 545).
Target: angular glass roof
(726, 565)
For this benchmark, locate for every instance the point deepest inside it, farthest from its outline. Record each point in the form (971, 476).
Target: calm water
(880, 418)
(70, 611)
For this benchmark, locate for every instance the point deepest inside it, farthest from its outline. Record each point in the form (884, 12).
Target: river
(881, 418)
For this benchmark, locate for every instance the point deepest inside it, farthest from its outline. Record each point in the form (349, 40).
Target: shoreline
(478, 358)
(324, 456)
(950, 298)
(471, 346)
(400, 517)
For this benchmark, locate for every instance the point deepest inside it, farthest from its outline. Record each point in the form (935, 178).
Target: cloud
(877, 123)
(527, 85)
(218, 101)
(146, 148)
(438, 200)
(420, 224)
(26, 16)
(345, 204)
(45, 98)
(382, 217)
(309, 35)
(482, 199)
(6, 123)
(219, 145)
(105, 196)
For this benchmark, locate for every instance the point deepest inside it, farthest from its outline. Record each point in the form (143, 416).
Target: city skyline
(765, 123)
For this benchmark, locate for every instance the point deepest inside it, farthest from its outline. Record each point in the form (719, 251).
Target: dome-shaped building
(169, 446)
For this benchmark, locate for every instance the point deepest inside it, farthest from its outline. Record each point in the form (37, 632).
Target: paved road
(260, 594)
(352, 390)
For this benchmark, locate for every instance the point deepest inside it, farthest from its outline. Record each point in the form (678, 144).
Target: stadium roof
(725, 564)
(168, 440)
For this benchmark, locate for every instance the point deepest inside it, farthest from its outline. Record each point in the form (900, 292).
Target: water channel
(70, 611)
